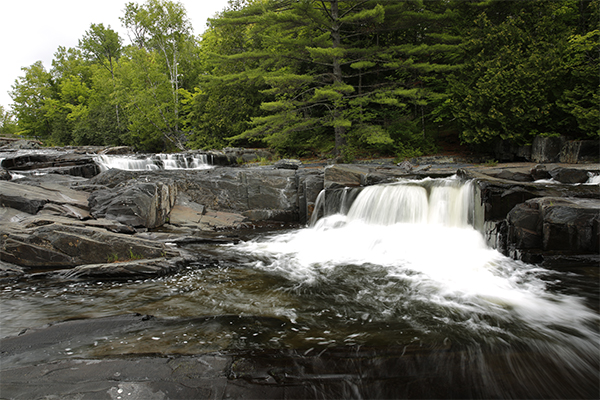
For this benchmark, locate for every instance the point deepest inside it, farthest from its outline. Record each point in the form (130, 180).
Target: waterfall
(447, 202)
(155, 162)
(406, 255)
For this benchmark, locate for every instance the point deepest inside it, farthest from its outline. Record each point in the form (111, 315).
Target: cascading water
(393, 279)
(155, 162)
(405, 256)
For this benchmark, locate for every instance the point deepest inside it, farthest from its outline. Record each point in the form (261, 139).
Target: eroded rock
(555, 225)
(54, 245)
(137, 204)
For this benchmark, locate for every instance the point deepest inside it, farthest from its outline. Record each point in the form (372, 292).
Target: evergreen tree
(340, 69)
(521, 74)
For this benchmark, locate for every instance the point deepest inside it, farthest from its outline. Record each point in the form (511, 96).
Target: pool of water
(351, 282)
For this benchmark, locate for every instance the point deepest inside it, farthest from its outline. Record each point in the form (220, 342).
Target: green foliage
(344, 78)
(29, 95)
(528, 75)
(7, 125)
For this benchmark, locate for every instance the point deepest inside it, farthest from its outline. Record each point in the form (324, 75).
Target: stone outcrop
(554, 224)
(55, 245)
(31, 199)
(64, 221)
(548, 150)
(137, 204)
(66, 164)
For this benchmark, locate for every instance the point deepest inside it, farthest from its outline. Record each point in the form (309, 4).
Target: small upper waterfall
(155, 162)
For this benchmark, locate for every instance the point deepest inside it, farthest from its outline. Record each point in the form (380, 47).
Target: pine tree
(340, 69)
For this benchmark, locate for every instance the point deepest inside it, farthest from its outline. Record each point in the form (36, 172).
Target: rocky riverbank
(65, 232)
(60, 212)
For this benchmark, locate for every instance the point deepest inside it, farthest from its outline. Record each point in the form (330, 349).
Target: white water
(417, 236)
(154, 162)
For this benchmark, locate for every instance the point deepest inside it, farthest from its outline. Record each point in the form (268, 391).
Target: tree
(7, 124)
(147, 96)
(162, 26)
(343, 69)
(518, 82)
(29, 95)
(104, 47)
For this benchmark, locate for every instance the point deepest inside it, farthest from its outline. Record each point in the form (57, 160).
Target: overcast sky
(32, 30)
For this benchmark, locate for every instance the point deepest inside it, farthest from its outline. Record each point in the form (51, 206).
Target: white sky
(32, 30)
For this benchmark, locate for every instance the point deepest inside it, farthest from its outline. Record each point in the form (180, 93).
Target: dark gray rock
(118, 150)
(22, 144)
(270, 191)
(310, 184)
(137, 204)
(31, 199)
(512, 175)
(556, 225)
(498, 196)
(580, 151)
(540, 172)
(287, 164)
(66, 163)
(546, 149)
(507, 151)
(405, 166)
(345, 175)
(5, 175)
(569, 175)
(55, 245)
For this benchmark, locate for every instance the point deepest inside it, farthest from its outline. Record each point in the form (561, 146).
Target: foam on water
(418, 234)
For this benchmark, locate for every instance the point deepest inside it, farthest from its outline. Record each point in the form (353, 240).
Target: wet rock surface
(414, 371)
(123, 225)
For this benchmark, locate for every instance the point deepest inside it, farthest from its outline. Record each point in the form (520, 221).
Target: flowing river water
(400, 267)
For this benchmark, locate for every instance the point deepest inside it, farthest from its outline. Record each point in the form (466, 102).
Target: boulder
(569, 175)
(345, 175)
(5, 175)
(287, 164)
(507, 151)
(580, 151)
(57, 245)
(540, 172)
(555, 224)
(137, 204)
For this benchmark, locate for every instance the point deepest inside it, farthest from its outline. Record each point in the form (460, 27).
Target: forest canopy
(321, 77)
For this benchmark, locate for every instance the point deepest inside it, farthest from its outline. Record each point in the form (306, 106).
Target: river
(397, 269)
